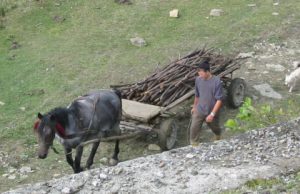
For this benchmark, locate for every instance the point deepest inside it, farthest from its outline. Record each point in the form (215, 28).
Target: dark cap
(204, 65)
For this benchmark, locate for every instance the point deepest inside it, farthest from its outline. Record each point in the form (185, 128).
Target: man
(207, 103)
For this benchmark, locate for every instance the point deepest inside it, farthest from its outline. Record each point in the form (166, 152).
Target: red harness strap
(60, 130)
(36, 124)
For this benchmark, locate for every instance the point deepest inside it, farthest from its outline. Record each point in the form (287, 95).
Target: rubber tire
(236, 87)
(167, 135)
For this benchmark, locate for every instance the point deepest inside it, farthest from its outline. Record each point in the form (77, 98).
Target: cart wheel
(167, 134)
(236, 92)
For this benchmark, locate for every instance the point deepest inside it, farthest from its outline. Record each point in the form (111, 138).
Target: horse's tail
(118, 92)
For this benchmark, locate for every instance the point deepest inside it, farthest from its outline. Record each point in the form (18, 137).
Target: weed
(251, 117)
(264, 183)
(2, 12)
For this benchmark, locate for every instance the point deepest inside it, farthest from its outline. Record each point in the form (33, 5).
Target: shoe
(194, 144)
(217, 137)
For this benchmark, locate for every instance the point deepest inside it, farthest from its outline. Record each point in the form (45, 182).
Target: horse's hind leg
(114, 160)
(90, 160)
(77, 167)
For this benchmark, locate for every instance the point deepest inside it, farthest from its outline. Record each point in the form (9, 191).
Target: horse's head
(44, 129)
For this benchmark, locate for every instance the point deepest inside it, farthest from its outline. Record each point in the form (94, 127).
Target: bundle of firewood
(176, 79)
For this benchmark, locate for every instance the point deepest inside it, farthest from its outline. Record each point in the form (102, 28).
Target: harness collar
(60, 130)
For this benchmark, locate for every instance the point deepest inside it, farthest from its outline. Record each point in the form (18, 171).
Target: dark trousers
(196, 126)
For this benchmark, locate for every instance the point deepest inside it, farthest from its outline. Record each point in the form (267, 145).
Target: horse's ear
(40, 116)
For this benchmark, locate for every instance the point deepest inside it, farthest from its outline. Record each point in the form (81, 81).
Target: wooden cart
(140, 117)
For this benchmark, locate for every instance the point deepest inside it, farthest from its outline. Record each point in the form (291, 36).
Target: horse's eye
(47, 130)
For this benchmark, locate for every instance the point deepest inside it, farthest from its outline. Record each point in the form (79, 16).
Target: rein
(54, 149)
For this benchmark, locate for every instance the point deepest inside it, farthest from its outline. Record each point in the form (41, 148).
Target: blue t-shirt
(208, 91)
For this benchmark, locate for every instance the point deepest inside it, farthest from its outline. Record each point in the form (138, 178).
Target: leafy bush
(250, 117)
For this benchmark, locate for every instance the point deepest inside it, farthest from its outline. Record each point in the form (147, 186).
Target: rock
(251, 5)
(296, 64)
(23, 176)
(194, 172)
(137, 41)
(24, 157)
(189, 156)
(267, 91)
(96, 183)
(103, 176)
(251, 66)
(278, 68)
(5, 175)
(276, 3)
(174, 13)
(216, 12)
(104, 161)
(123, 2)
(112, 162)
(265, 56)
(118, 171)
(11, 177)
(56, 175)
(275, 13)
(25, 169)
(154, 147)
(291, 52)
(12, 170)
(246, 55)
(22, 108)
(59, 19)
(66, 190)
(2, 103)
(162, 164)
(15, 45)
(115, 189)
(160, 174)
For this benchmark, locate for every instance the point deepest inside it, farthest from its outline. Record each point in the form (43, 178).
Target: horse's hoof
(78, 170)
(113, 162)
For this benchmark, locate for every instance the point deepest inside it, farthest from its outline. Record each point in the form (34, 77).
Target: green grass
(269, 185)
(91, 48)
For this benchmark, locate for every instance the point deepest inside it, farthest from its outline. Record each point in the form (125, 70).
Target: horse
(90, 117)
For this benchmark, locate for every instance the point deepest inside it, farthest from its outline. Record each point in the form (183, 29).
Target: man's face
(203, 74)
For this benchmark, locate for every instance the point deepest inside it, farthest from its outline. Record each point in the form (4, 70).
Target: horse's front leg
(114, 160)
(68, 153)
(90, 160)
(77, 168)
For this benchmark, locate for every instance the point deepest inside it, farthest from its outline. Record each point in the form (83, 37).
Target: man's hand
(209, 118)
(193, 110)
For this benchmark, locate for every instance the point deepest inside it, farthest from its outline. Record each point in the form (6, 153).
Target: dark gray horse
(93, 116)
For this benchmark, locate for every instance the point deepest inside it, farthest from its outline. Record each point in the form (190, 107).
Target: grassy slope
(91, 48)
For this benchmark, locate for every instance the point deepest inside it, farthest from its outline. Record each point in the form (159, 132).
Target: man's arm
(215, 110)
(216, 107)
(196, 100)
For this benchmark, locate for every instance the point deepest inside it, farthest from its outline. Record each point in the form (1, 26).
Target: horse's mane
(61, 115)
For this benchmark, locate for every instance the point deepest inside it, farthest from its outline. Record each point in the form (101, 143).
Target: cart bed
(139, 111)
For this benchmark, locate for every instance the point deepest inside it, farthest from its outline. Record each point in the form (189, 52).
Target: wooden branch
(165, 86)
